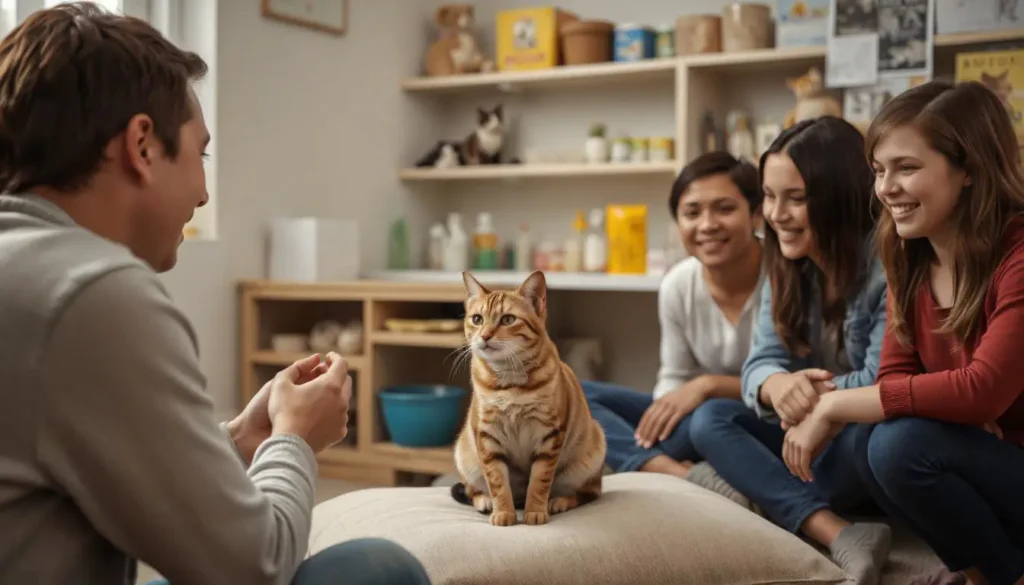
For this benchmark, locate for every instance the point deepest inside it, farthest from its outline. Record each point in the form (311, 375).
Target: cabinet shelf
(535, 171)
(511, 279)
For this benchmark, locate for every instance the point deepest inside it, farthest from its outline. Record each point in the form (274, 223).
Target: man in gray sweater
(109, 451)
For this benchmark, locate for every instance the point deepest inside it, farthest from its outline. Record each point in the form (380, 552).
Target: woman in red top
(946, 456)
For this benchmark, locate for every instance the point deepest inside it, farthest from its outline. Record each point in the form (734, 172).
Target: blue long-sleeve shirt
(863, 330)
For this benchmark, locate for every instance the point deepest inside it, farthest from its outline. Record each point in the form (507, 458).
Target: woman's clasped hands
(794, 396)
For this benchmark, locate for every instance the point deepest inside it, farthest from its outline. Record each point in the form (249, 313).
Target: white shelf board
(524, 171)
(578, 75)
(508, 278)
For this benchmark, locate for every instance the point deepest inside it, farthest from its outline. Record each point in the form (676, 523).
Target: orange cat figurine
(529, 440)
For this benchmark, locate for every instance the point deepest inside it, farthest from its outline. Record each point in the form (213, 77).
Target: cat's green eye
(477, 319)
(507, 320)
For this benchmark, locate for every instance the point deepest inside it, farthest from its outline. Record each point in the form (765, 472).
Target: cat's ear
(473, 287)
(482, 116)
(535, 290)
(499, 111)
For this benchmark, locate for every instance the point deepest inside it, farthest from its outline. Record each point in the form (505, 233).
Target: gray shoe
(705, 476)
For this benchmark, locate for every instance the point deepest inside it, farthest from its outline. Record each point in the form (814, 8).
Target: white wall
(307, 123)
(310, 123)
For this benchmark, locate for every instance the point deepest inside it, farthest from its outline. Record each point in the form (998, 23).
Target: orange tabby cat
(529, 439)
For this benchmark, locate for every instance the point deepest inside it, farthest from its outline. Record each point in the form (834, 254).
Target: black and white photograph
(856, 17)
(904, 37)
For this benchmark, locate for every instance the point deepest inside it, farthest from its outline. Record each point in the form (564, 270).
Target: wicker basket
(587, 41)
(747, 26)
(701, 33)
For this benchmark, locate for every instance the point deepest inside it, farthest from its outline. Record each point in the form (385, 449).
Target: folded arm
(678, 366)
(767, 356)
(983, 390)
(130, 435)
(866, 375)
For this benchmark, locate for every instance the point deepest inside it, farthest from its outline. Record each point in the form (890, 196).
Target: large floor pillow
(645, 529)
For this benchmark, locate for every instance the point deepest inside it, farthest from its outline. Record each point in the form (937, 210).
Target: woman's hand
(662, 417)
(794, 395)
(805, 441)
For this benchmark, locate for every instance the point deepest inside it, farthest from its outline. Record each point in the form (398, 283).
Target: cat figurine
(483, 145)
(444, 155)
(812, 100)
(529, 440)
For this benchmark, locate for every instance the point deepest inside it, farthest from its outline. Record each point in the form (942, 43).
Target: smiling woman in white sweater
(706, 308)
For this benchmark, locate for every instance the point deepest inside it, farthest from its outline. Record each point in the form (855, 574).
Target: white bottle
(524, 250)
(435, 250)
(595, 244)
(456, 252)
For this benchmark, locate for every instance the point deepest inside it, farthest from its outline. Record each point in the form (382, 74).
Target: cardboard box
(528, 38)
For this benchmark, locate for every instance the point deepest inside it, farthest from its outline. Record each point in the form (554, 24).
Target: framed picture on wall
(329, 16)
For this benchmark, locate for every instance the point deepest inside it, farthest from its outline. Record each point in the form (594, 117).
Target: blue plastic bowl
(422, 415)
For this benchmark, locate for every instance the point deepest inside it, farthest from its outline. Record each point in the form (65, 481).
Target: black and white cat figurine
(481, 147)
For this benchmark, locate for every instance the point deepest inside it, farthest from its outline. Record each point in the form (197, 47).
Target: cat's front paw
(503, 518)
(536, 518)
(559, 504)
(483, 503)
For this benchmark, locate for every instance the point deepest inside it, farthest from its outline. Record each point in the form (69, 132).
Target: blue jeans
(747, 452)
(960, 488)
(367, 561)
(618, 410)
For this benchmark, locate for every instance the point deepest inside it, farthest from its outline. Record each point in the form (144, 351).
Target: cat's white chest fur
(519, 434)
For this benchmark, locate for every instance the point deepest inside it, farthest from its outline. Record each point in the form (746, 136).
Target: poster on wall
(852, 49)
(905, 37)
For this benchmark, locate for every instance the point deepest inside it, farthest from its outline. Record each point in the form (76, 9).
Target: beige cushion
(646, 529)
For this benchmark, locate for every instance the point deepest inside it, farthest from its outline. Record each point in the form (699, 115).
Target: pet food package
(626, 227)
(529, 38)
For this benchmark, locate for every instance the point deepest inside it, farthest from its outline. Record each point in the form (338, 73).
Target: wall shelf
(511, 279)
(569, 75)
(609, 73)
(537, 171)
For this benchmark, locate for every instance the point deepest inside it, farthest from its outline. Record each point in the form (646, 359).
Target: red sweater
(933, 378)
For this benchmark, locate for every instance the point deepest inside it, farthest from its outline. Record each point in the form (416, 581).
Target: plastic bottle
(524, 250)
(435, 250)
(595, 244)
(456, 253)
(485, 243)
(574, 245)
(398, 246)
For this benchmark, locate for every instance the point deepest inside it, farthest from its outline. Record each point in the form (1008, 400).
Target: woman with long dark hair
(946, 455)
(820, 328)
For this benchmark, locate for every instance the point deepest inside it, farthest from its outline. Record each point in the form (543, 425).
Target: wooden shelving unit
(568, 281)
(701, 83)
(387, 358)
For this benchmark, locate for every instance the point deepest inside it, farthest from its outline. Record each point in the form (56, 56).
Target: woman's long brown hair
(970, 126)
(829, 154)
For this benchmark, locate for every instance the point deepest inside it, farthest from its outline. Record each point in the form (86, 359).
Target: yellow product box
(626, 227)
(528, 38)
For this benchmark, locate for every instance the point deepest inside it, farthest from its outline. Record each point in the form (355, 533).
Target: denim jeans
(960, 488)
(747, 452)
(618, 410)
(367, 561)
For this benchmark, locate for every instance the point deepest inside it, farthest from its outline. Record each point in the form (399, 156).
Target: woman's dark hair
(969, 125)
(742, 173)
(839, 183)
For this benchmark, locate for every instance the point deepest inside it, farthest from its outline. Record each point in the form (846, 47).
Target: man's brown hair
(71, 78)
